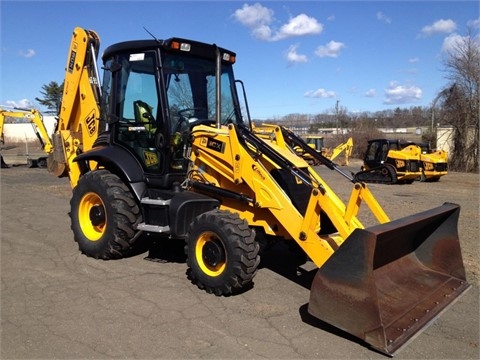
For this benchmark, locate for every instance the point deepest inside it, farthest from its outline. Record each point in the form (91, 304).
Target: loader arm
(79, 118)
(360, 191)
(251, 167)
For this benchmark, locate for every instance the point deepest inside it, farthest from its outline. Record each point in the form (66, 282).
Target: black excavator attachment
(387, 283)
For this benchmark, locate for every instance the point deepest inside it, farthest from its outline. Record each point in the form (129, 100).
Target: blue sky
(293, 56)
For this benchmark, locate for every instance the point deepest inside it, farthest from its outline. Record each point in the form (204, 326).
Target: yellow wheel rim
(210, 254)
(91, 216)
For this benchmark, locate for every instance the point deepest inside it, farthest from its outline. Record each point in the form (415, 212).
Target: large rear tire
(222, 253)
(103, 215)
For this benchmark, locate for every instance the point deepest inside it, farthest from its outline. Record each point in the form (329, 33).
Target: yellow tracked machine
(162, 147)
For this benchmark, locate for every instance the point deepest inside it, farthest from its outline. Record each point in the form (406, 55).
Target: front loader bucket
(387, 283)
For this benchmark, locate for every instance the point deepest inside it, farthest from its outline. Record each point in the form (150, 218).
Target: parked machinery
(36, 119)
(387, 161)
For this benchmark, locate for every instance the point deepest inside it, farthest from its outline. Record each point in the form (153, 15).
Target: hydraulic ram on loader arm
(383, 284)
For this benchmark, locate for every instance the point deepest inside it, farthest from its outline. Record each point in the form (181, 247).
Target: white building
(24, 132)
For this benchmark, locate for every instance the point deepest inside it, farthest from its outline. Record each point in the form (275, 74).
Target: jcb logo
(71, 59)
(91, 125)
(151, 158)
(428, 166)
(400, 164)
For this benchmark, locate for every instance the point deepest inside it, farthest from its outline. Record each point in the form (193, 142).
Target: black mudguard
(184, 207)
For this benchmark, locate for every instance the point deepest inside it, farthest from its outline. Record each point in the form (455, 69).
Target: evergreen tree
(52, 97)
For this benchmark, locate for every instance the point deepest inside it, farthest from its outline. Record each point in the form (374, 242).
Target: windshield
(191, 95)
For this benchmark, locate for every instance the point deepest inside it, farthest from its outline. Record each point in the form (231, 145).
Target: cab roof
(196, 48)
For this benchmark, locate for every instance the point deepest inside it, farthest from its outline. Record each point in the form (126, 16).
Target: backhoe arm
(2, 121)
(346, 146)
(79, 118)
(35, 119)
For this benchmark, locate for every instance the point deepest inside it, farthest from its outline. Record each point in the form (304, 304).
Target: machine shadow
(160, 249)
(287, 260)
(322, 325)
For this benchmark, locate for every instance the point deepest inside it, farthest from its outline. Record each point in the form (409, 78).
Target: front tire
(103, 215)
(222, 253)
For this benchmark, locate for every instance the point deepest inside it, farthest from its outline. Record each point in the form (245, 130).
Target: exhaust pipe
(387, 283)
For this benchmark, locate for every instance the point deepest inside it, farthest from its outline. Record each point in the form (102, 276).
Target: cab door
(140, 126)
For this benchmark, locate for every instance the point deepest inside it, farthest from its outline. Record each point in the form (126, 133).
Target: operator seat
(143, 114)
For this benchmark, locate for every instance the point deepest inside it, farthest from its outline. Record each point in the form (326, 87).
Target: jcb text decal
(151, 158)
(216, 145)
(90, 123)
(428, 166)
(71, 60)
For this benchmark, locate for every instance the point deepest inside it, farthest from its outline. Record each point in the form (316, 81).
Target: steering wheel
(192, 110)
(191, 121)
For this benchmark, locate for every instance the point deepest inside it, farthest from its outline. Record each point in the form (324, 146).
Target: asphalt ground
(59, 304)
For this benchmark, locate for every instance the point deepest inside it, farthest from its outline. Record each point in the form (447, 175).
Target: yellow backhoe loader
(345, 148)
(163, 147)
(36, 120)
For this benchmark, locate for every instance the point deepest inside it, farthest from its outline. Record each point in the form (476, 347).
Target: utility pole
(336, 113)
(433, 110)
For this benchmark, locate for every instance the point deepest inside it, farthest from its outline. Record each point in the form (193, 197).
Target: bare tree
(461, 101)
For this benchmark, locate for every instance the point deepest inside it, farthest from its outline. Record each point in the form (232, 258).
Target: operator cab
(155, 91)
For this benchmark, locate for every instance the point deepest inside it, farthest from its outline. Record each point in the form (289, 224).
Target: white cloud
(259, 20)
(262, 32)
(332, 49)
(294, 57)
(440, 26)
(474, 23)
(370, 93)
(399, 94)
(320, 93)
(382, 17)
(27, 53)
(20, 104)
(300, 25)
(452, 42)
(253, 16)
(413, 60)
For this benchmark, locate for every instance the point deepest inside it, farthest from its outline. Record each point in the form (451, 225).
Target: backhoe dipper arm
(2, 121)
(78, 124)
(346, 146)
